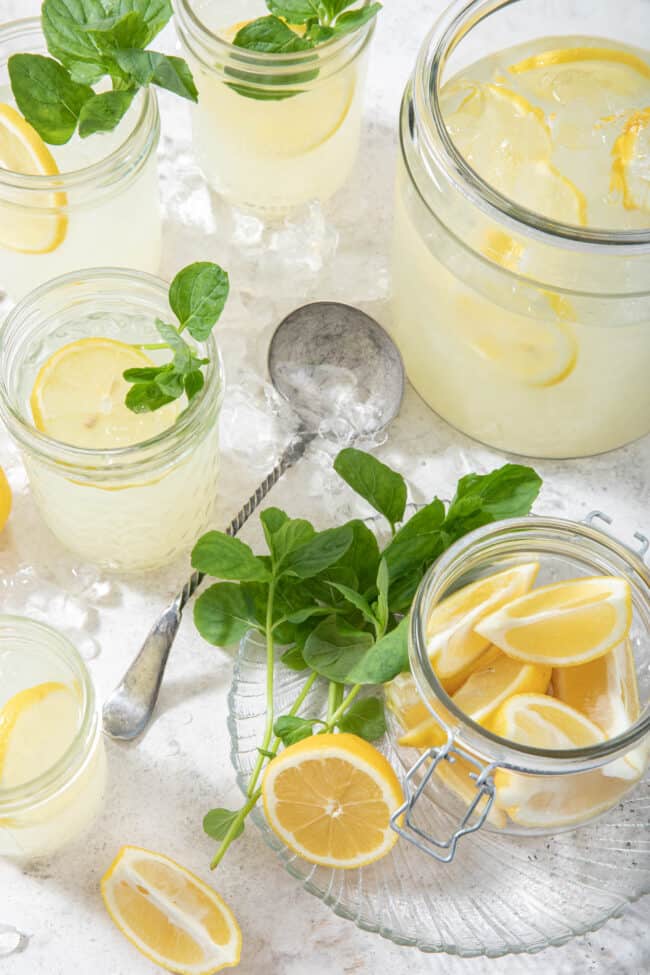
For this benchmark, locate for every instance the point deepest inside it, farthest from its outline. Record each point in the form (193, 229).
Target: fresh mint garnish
(197, 297)
(336, 603)
(90, 40)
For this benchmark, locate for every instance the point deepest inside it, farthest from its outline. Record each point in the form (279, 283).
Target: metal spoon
(342, 375)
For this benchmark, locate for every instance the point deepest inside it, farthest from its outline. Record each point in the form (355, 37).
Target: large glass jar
(526, 333)
(41, 814)
(272, 131)
(129, 508)
(476, 772)
(82, 216)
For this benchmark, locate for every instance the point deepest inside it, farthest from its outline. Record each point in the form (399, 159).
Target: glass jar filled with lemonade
(529, 649)
(71, 206)
(52, 762)
(274, 128)
(522, 226)
(126, 487)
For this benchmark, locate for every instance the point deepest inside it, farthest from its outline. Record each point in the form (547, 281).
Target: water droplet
(12, 940)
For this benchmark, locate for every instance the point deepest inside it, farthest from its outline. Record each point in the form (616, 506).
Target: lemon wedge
(631, 166)
(169, 915)
(37, 726)
(453, 642)
(78, 396)
(39, 229)
(403, 699)
(5, 499)
(329, 798)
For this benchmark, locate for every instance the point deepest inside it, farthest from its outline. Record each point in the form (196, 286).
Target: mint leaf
(47, 96)
(357, 600)
(197, 297)
(334, 648)
(362, 558)
(217, 822)
(383, 583)
(297, 11)
(62, 22)
(224, 557)
(155, 13)
(166, 71)
(271, 36)
(508, 492)
(381, 487)
(113, 33)
(102, 113)
(284, 534)
(386, 659)
(352, 20)
(320, 552)
(146, 398)
(194, 383)
(290, 729)
(364, 718)
(224, 613)
(293, 659)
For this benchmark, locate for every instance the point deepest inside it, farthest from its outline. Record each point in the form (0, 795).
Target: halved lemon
(564, 75)
(329, 798)
(169, 914)
(5, 499)
(540, 721)
(37, 726)
(631, 166)
(453, 643)
(38, 225)
(564, 624)
(78, 396)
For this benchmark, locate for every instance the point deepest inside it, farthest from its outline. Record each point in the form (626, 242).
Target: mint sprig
(197, 297)
(321, 21)
(90, 40)
(335, 602)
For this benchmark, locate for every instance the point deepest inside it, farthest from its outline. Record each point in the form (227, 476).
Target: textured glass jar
(580, 288)
(562, 788)
(41, 815)
(130, 508)
(272, 131)
(84, 216)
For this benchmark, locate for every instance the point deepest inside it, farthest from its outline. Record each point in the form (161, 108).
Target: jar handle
(402, 821)
(643, 541)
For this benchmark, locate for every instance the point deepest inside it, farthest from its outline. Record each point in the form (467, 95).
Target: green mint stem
(332, 695)
(347, 701)
(270, 666)
(154, 346)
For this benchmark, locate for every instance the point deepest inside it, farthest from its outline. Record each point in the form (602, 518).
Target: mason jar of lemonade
(522, 228)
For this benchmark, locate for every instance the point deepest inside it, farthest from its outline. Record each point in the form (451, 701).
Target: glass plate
(500, 895)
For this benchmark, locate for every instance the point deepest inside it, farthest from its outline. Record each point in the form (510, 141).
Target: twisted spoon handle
(128, 710)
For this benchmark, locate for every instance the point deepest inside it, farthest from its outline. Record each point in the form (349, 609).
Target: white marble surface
(160, 788)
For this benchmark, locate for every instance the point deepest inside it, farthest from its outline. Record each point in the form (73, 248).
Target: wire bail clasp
(443, 850)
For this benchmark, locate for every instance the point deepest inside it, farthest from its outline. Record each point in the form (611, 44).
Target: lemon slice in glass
(28, 229)
(78, 396)
(37, 726)
(568, 74)
(5, 499)
(631, 166)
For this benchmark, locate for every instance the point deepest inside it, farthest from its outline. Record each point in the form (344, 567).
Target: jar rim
(261, 62)
(36, 790)
(511, 754)
(456, 21)
(141, 139)
(107, 463)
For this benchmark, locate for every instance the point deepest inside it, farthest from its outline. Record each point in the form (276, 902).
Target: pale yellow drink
(513, 338)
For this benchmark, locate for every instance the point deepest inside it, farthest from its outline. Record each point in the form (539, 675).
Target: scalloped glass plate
(501, 895)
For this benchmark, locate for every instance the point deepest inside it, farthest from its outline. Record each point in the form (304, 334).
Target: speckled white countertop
(160, 788)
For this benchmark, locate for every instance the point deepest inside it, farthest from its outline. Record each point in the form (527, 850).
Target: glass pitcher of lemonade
(522, 231)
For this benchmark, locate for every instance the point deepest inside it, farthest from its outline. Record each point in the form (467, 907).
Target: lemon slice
(452, 641)
(170, 915)
(5, 499)
(631, 166)
(403, 699)
(539, 721)
(23, 151)
(564, 624)
(565, 75)
(78, 396)
(37, 726)
(329, 798)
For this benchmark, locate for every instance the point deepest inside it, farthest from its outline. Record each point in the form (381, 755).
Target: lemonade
(256, 147)
(66, 207)
(509, 330)
(52, 765)
(125, 490)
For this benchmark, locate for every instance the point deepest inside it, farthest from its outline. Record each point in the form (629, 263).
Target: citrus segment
(79, 392)
(452, 641)
(169, 914)
(631, 166)
(5, 499)
(564, 75)
(330, 799)
(24, 228)
(37, 726)
(564, 624)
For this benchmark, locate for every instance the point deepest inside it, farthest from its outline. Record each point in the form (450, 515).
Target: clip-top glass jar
(127, 508)
(40, 669)
(527, 333)
(474, 773)
(272, 131)
(83, 215)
